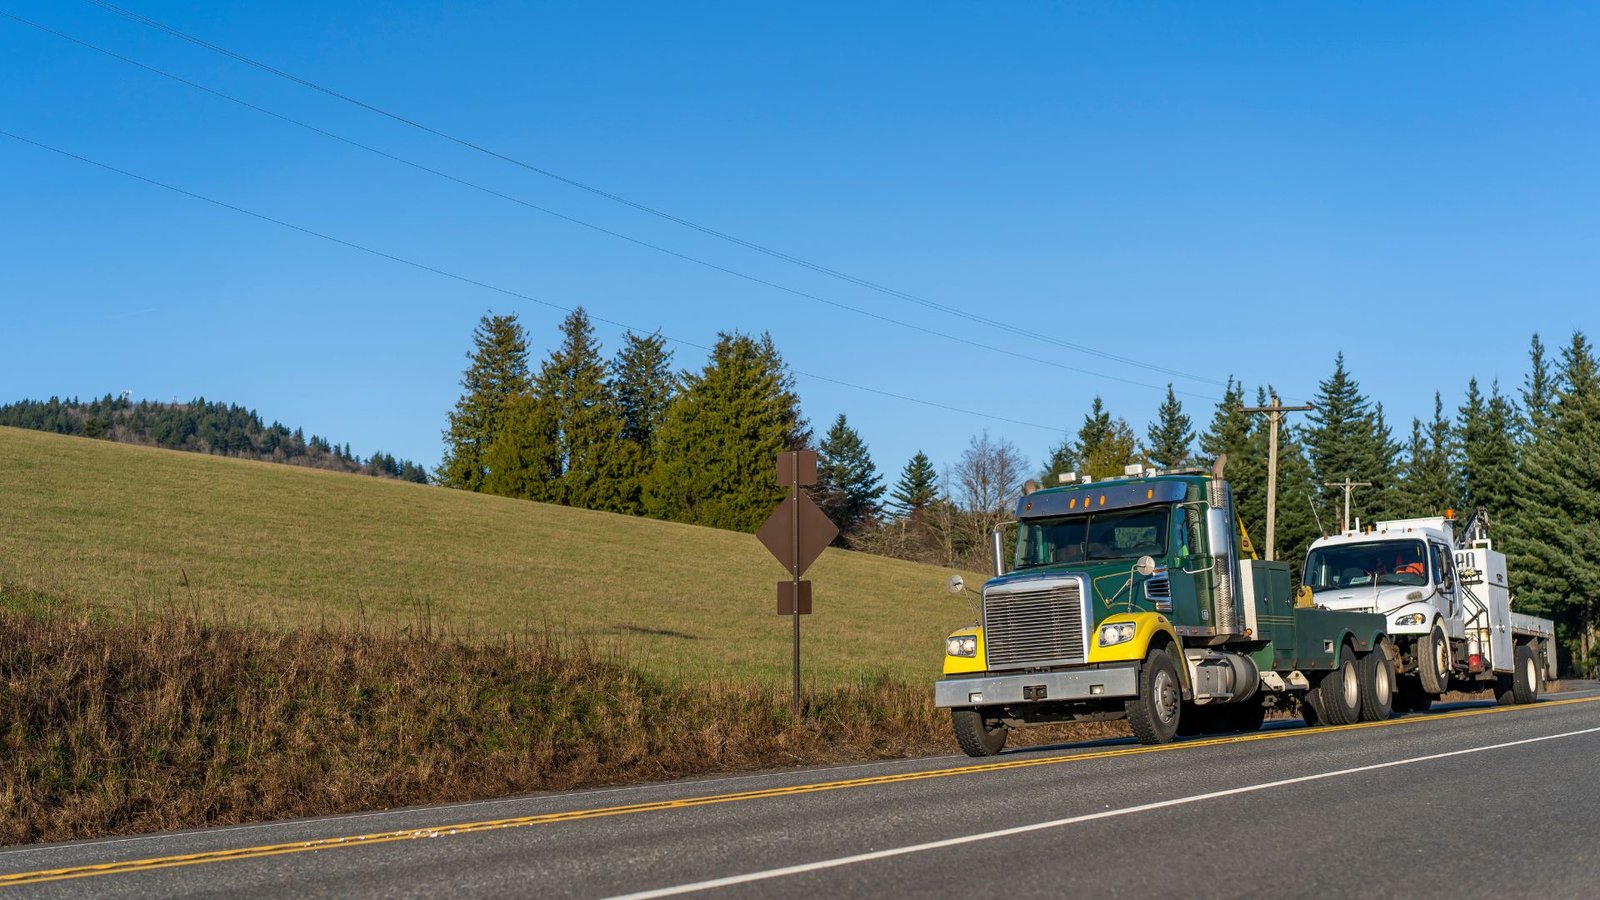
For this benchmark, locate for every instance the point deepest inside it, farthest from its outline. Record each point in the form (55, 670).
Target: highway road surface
(1471, 800)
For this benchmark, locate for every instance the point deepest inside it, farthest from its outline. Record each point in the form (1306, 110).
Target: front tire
(1153, 714)
(1376, 671)
(975, 734)
(1525, 677)
(1433, 660)
(1341, 692)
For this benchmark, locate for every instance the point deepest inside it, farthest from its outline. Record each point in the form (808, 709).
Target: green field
(123, 528)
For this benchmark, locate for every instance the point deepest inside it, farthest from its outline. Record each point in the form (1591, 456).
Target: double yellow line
(385, 837)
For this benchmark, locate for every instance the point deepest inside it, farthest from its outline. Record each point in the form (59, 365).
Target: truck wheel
(1376, 671)
(1341, 692)
(1412, 696)
(1153, 714)
(1433, 660)
(1246, 716)
(975, 735)
(1525, 677)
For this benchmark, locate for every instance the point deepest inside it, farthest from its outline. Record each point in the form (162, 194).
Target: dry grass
(171, 722)
(246, 542)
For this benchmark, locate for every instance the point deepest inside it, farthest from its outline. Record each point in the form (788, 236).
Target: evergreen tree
(1487, 453)
(1102, 447)
(1538, 391)
(643, 383)
(1346, 437)
(1554, 540)
(723, 430)
(597, 466)
(848, 485)
(1171, 435)
(524, 461)
(918, 486)
(498, 373)
(1429, 483)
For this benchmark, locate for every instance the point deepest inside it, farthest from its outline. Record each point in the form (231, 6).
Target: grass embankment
(248, 542)
(189, 640)
(172, 722)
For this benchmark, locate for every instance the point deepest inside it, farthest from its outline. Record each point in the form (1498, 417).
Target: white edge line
(837, 862)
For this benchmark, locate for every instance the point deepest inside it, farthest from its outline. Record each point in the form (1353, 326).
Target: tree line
(200, 426)
(630, 434)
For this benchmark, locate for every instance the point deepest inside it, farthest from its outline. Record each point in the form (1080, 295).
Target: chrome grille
(1034, 625)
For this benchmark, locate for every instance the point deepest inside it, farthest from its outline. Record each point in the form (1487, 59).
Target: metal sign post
(796, 533)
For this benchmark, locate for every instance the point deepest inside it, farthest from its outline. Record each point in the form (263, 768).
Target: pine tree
(1539, 389)
(643, 383)
(597, 466)
(1102, 447)
(848, 485)
(918, 486)
(722, 432)
(498, 373)
(1487, 453)
(1429, 483)
(1554, 540)
(1171, 435)
(1347, 437)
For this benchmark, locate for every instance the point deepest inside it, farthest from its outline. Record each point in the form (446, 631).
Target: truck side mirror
(1219, 537)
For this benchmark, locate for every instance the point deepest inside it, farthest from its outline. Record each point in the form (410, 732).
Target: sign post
(796, 533)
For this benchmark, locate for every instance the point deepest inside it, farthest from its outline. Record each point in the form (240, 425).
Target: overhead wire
(923, 329)
(651, 210)
(464, 279)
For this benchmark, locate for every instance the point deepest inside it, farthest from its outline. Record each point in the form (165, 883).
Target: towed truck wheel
(1376, 671)
(1340, 692)
(976, 735)
(1153, 714)
(1525, 677)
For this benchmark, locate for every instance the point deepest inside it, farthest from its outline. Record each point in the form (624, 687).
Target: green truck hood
(1108, 584)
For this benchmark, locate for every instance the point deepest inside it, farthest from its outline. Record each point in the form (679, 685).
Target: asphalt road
(1468, 801)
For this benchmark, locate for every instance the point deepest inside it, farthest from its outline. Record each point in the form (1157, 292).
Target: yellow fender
(962, 665)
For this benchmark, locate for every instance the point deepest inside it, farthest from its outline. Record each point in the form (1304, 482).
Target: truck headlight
(1116, 633)
(1411, 619)
(961, 645)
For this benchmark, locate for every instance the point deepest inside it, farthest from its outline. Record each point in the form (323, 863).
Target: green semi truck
(1140, 598)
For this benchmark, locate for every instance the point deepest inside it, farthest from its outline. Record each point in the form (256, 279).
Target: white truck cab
(1446, 604)
(1403, 570)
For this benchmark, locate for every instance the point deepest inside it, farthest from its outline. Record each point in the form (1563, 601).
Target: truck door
(1444, 574)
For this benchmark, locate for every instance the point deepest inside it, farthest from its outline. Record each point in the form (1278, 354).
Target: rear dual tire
(1376, 671)
(1340, 692)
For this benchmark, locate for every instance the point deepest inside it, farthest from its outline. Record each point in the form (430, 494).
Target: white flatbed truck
(1446, 603)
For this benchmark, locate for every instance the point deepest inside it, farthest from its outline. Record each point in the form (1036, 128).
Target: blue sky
(1218, 190)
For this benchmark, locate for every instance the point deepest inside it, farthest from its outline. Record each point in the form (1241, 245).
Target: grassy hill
(125, 527)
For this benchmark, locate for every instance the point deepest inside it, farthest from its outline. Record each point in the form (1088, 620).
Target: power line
(486, 285)
(679, 220)
(598, 228)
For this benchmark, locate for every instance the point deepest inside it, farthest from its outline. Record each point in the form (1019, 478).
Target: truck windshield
(1367, 565)
(1119, 534)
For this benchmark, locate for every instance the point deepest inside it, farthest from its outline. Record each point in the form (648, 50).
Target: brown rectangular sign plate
(797, 467)
(786, 592)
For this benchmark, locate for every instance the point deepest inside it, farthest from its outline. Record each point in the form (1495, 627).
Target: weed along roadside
(172, 722)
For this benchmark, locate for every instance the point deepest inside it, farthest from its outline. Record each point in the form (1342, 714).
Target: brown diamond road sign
(817, 531)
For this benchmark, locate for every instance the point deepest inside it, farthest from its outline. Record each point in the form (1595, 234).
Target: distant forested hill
(200, 426)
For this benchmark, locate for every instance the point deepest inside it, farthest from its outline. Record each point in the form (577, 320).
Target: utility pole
(1349, 488)
(1274, 411)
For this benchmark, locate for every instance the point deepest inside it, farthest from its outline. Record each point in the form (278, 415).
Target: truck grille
(1034, 625)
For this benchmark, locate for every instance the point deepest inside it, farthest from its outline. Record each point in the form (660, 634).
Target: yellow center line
(384, 837)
